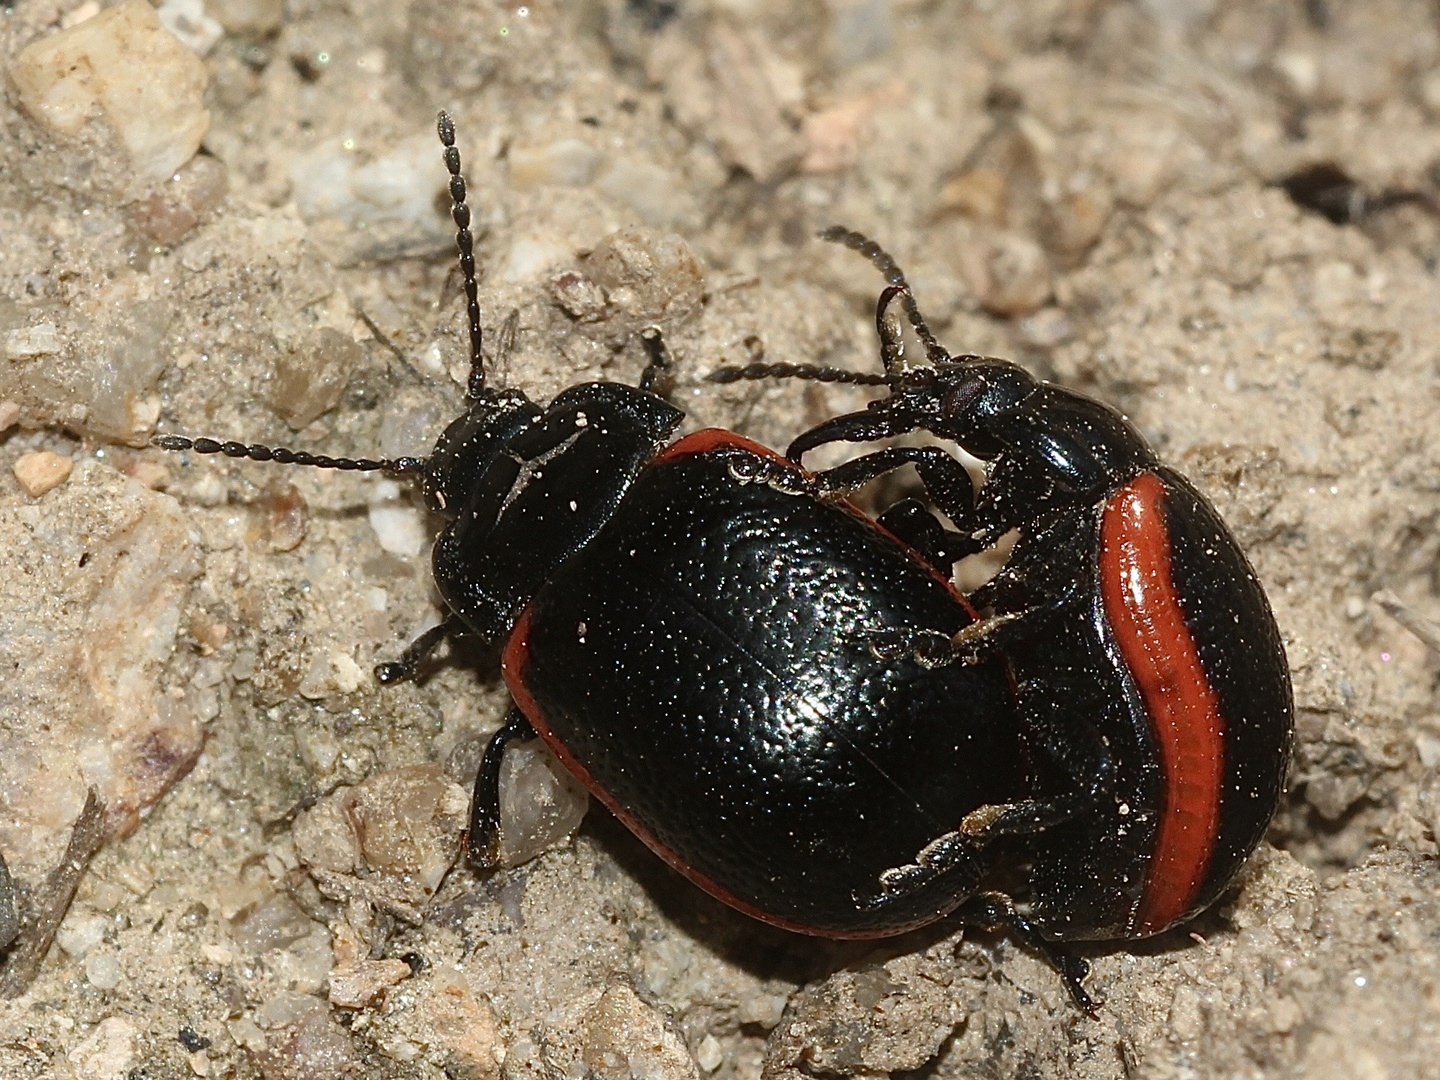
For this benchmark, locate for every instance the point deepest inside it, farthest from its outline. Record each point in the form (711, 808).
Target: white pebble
(103, 971)
(186, 19)
(398, 528)
(149, 86)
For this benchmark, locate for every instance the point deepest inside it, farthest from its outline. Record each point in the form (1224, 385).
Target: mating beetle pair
(793, 706)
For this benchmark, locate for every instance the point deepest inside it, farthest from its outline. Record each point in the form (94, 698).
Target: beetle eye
(960, 403)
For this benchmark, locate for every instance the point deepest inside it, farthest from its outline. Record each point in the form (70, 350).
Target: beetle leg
(660, 359)
(996, 911)
(482, 842)
(946, 481)
(912, 523)
(1092, 778)
(415, 654)
(971, 644)
(950, 854)
(868, 426)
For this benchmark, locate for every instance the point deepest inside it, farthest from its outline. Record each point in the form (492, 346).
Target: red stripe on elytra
(1144, 611)
(713, 438)
(513, 663)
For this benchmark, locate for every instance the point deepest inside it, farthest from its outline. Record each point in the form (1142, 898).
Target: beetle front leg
(482, 842)
(946, 481)
(416, 653)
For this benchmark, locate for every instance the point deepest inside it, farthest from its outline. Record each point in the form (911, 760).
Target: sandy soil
(1093, 188)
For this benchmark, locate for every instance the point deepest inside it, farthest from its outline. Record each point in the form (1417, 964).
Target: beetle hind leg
(482, 842)
(996, 911)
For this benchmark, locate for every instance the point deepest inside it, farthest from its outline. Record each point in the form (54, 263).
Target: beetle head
(468, 448)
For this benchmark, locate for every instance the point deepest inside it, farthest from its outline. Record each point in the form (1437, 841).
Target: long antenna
(465, 244)
(285, 456)
(895, 277)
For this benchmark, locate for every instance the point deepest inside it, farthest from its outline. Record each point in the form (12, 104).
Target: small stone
(168, 215)
(1427, 746)
(41, 471)
(541, 804)
(254, 18)
(396, 188)
(107, 1053)
(312, 1047)
(307, 382)
(400, 530)
(150, 473)
(1285, 1015)
(578, 296)
(708, 1054)
(280, 519)
(623, 1038)
(148, 85)
(564, 163)
(1018, 276)
(648, 277)
(460, 1024)
(1075, 222)
(27, 341)
(355, 987)
(186, 19)
(271, 923)
(408, 822)
(9, 415)
(81, 931)
(102, 971)
(325, 837)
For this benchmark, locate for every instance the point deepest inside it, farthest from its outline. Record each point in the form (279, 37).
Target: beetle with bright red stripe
(1152, 682)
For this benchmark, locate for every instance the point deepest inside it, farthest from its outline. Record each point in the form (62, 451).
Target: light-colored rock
(92, 610)
(325, 837)
(107, 1053)
(540, 803)
(148, 85)
(399, 529)
(94, 374)
(187, 20)
(41, 471)
(357, 986)
(622, 1038)
(308, 380)
(408, 822)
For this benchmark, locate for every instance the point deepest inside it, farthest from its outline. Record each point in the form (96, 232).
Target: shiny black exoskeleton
(703, 634)
(1150, 672)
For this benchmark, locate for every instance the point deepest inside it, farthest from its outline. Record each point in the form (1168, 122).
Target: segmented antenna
(808, 372)
(397, 466)
(465, 245)
(895, 277)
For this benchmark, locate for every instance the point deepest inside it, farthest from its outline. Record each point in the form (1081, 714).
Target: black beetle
(693, 631)
(1149, 669)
